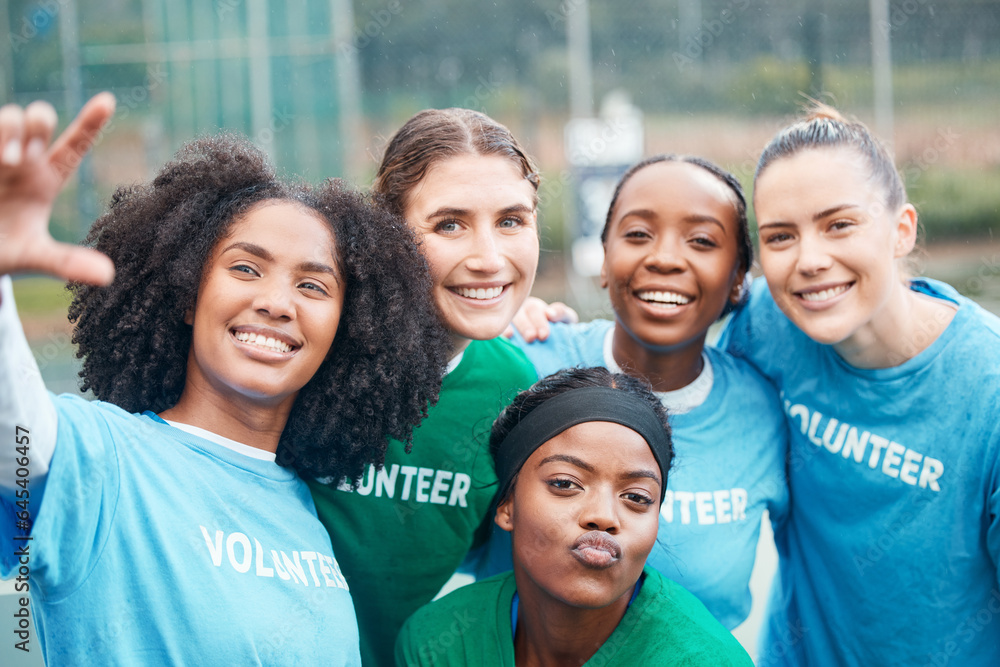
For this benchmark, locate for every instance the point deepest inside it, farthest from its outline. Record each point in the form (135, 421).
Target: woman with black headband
(582, 460)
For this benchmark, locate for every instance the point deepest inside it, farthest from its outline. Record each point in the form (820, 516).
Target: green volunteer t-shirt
(401, 534)
(664, 625)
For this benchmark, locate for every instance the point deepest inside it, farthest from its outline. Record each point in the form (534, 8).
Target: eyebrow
(832, 210)
(516, 208)
(694, 219)
(265, 254)
(566, 458)
(572, 460)
(459, 212)
(816, 217)
(642, 474)
(448, 210)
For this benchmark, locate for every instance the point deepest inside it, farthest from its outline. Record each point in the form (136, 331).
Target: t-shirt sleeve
(81, 491)
(26, 413)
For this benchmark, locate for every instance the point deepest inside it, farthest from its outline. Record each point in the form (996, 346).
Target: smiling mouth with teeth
(262, 341)
(664, 298)
(479, 293)
(824, 295)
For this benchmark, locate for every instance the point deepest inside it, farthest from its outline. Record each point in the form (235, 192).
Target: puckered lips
(662, 301)
(597, 550)
(822, 296)
(480, 294)
(264, 343)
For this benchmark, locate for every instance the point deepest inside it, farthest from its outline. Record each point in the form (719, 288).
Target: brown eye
(638, 498)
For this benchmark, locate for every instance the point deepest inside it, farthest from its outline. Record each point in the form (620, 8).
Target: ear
(189, 316)
(737, 292)
(906, 231)
(505, 514)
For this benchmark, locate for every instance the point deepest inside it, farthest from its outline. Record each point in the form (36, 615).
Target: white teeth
(480, 293)
(825, 294)
(664, 297)
(262, 341)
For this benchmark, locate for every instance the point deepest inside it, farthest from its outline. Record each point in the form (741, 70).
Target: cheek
(620, 267)
(440, 259)
(538, 533)
(523, 250)
(773, 266)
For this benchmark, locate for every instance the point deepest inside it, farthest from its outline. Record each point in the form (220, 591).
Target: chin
(824, 334)
(480, 330)
(591, 597)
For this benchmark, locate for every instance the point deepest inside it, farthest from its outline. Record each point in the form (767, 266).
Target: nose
(600, 511)
(664, 256)
(275, 300)
(813, 257)
(485, 254)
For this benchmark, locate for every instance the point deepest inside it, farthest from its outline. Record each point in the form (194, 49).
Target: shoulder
(81, 419)
(469, 608)
(970, 345)
(568, 345)
(759, 332)
(745, 401)
(696, 633)
(978, 322)
(591, 332)
(732, 371)
(668, 594)
(483, 593)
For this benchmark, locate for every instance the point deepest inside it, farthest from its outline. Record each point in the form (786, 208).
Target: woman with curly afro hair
(255, 334)
(468, 190)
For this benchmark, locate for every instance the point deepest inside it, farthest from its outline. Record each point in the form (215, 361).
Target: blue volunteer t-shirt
(154, 546)
(728, 468)
(889, 556)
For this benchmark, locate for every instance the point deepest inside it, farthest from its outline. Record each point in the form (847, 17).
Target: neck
(458, 344)
(667, 369)
(551, 632)
(906, 325)
(249, 423)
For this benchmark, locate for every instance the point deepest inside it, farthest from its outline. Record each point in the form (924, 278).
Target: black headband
(576, 406)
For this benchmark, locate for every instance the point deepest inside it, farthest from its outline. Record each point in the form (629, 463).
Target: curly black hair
(389, 353)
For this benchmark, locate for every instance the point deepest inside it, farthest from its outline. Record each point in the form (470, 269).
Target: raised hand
(32, 174)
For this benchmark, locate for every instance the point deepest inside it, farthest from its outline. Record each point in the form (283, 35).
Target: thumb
(73, 263)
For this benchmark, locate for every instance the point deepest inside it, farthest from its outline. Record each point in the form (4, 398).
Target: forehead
(677, 188)
(813, 180)
(608, 447)
(470, 180)
(291, 227)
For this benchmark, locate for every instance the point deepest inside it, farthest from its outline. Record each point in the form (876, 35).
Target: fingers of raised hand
(77, 139)
(24, 133)
(39, 123)
(11, 135)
